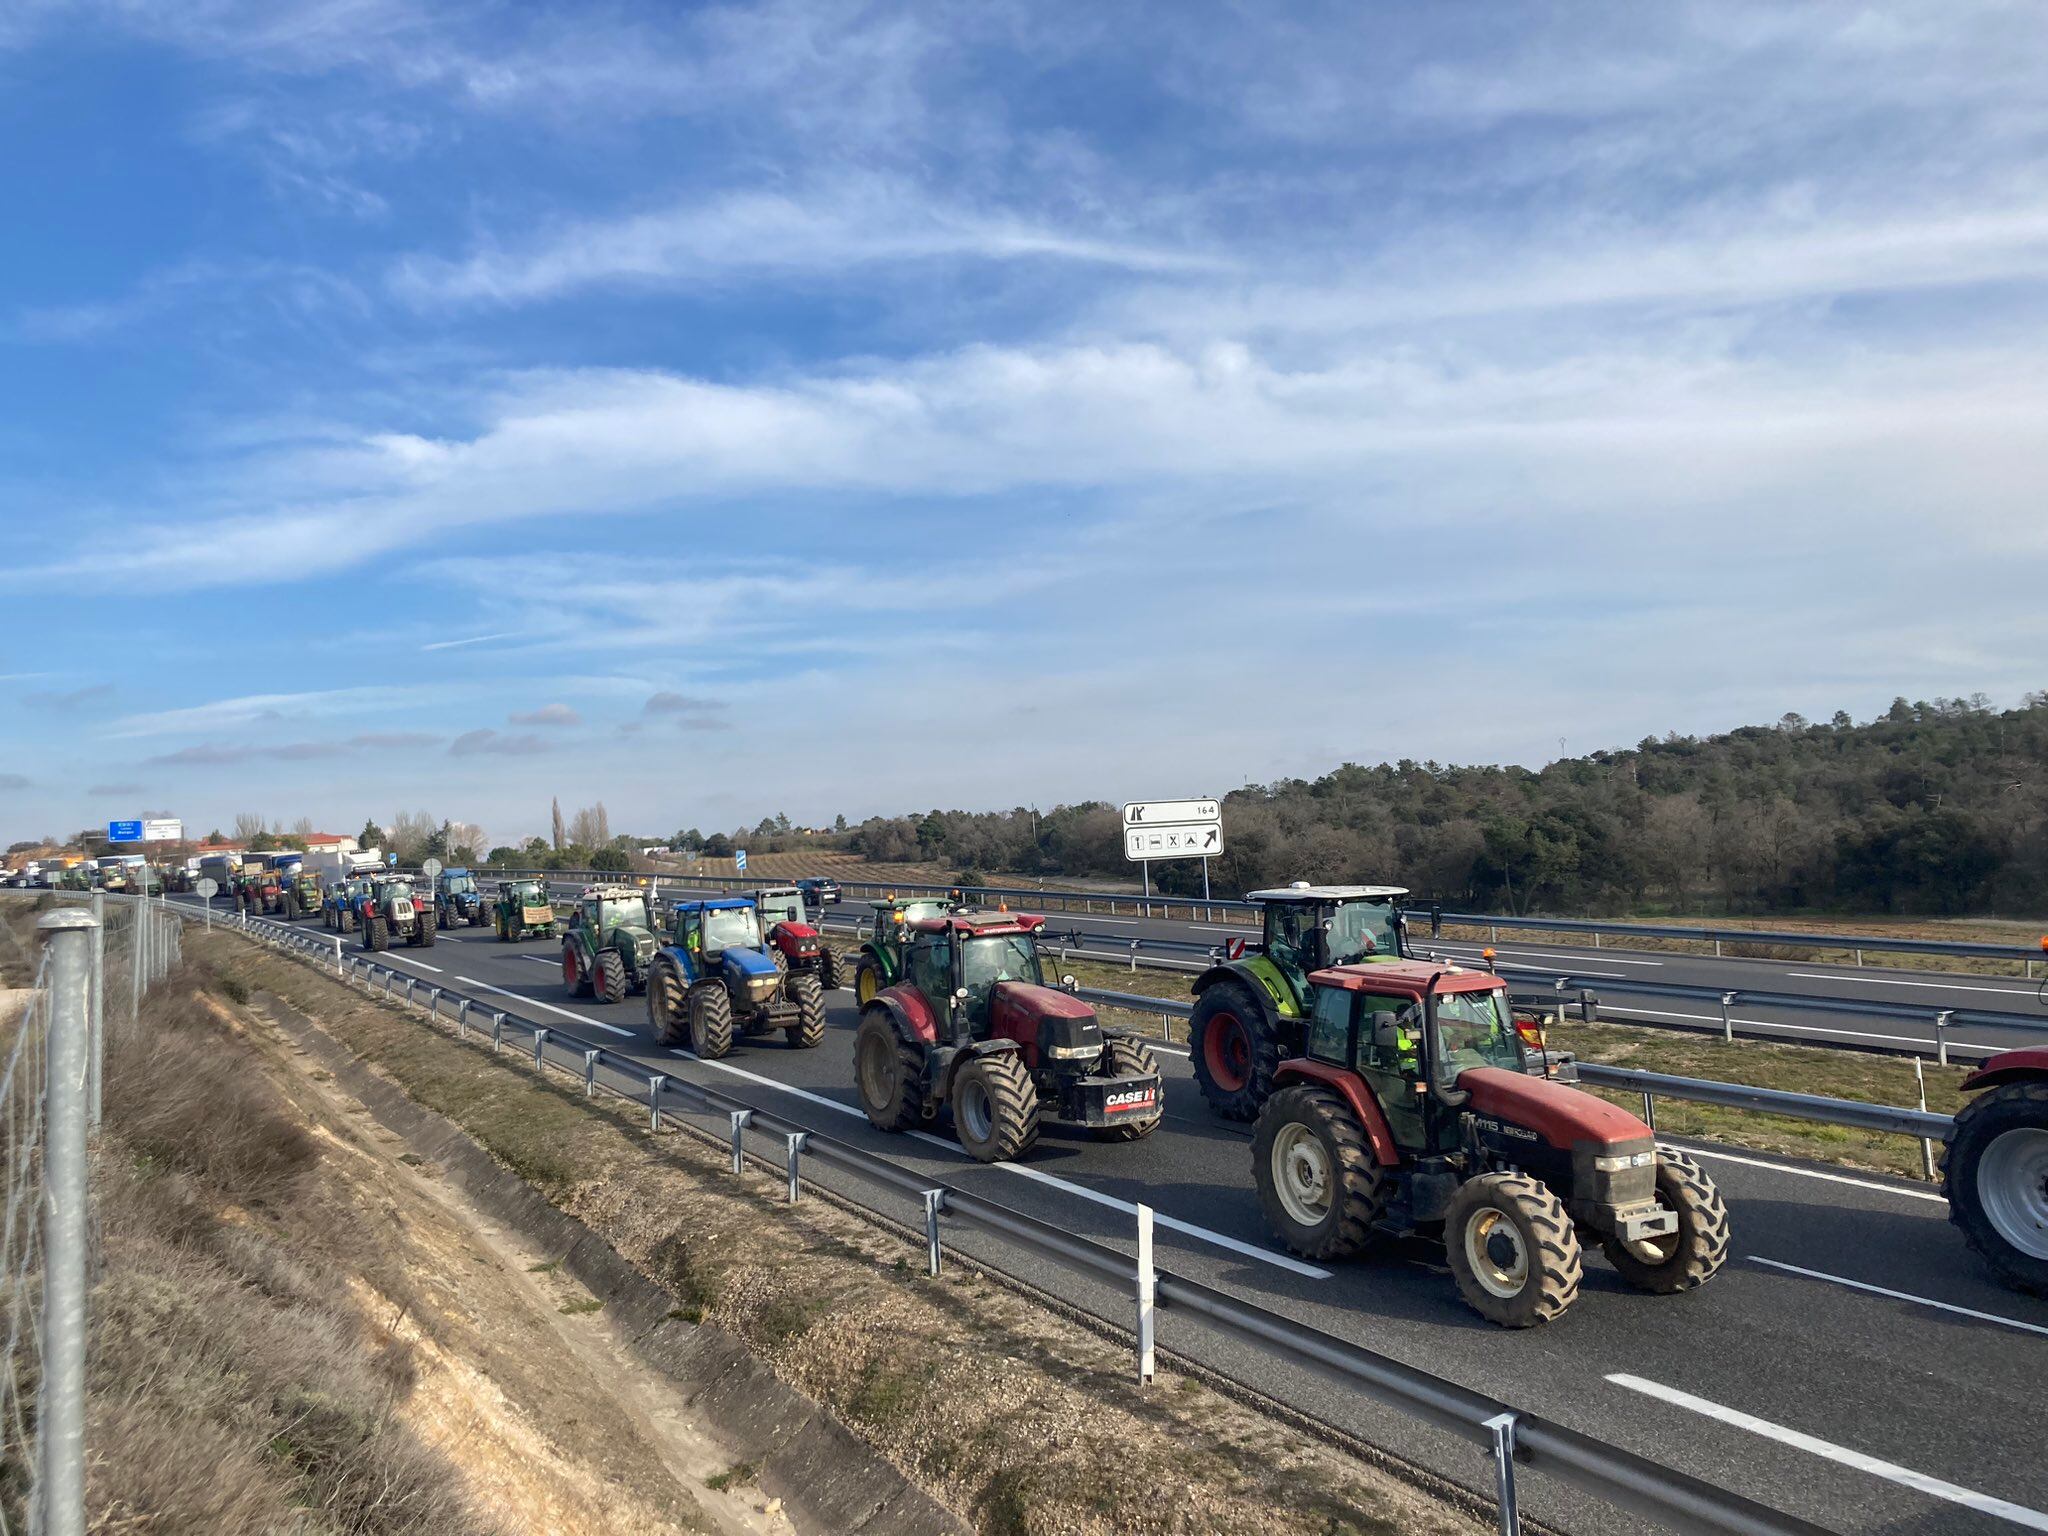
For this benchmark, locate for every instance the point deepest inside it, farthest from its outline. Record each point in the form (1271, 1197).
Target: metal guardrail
(1514, 1439)
(1494, 922)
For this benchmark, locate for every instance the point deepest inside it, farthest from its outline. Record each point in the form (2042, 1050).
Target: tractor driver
(1394, 1043)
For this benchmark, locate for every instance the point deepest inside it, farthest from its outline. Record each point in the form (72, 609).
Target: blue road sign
(124, 831)
(739, 860)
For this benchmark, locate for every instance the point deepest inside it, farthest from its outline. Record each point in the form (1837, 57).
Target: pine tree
(557, 804)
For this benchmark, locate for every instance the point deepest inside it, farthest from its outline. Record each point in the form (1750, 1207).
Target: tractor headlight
(763, 988)
(1072, 1052)
(1621, 1160)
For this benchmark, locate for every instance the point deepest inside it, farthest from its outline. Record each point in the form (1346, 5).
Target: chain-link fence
(71, 970)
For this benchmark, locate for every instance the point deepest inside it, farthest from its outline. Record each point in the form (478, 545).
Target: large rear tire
(1688, 1258)
(1995, 1174)
(1318, 1182)
(1233, 1049)
(291, 909)
(888, 1073)
(572, 972)
(665, 1002)
(995, 1107)
(710, 1014)
(608, 977)
(1125, 1057)
(1512, 1250)
(808, 1031)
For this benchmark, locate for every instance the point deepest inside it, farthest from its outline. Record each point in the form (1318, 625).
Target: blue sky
(857, 407)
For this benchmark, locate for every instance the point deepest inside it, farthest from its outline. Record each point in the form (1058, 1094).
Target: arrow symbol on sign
(1210, 841)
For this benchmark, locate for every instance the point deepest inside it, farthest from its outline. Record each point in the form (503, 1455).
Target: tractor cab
(880, 961)
(960, 962)
(716, 977)
(1308, 927)
(710, 928)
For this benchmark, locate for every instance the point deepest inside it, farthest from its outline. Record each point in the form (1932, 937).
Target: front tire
(424, 932)
(608, 977)
(867, 981)
(828, 969)
(808, 1031)
(1512, 1250)
(376, 935)
(1995, 1174)
(1689, 1257)
(888, 1074)
(1233, 1049)
(710, 1014)
(1318, 1182)
(664, 1002)
(995, 1107)
(1123, 1057)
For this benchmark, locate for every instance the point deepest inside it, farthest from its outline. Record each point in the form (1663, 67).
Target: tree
(372, 836)
(247, 825)
(556, 806)
(590, 827)
(718, 846)
(503, 855)
(612, 859)
(839, 822)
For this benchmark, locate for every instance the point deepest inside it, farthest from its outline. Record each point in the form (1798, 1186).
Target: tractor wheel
(424, 932)
(665, 1001)
(347, 921)
(1233, 1051)
(440, 916)
(888, 1073)
(376, 935)
(1512, 1249)
(867, 980)
(828, 968)
(608, 977)
(1318, 1182)
(809, 1029)
(476, 918)
(1692, 1255)
(291, 909)
(572, 972)
(1124, 1057)
(710, 1012)
(504, 932)
(995, 1107)
(1995, 1174)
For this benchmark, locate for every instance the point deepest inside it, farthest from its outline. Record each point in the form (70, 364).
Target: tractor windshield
(1474, 1030)
(995, 957)
(458, 885)
(732, 928)
(780, 907)
(1359, 929)
(631, 911)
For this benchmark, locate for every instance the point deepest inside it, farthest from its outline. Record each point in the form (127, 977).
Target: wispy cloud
(547, 714)
(265, 708)
(487, 742)
(450, 645)
(70, 699)
(216, 754)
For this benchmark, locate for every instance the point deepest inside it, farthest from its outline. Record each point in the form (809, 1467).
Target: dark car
(819, 893)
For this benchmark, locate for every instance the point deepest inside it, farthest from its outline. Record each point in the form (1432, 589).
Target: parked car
(819, 893)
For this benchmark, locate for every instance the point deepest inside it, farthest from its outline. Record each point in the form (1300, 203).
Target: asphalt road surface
(1853, 1364)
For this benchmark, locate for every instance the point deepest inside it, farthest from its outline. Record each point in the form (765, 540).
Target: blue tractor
(717, 975)
(457, 900)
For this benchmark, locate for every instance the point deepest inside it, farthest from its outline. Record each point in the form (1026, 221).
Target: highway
(1853, 1364)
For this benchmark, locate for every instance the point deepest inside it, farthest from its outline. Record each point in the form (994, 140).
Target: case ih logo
(1129, 1099)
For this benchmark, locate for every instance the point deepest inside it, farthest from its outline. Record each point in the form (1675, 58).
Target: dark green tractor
(609, 944)
(301, 894)
(1250, 1010)
(880, 962)
(524, 910)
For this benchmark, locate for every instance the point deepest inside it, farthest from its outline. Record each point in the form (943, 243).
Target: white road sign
(1184, 842)
(1156, 813)
(163, 831)
(206, 888)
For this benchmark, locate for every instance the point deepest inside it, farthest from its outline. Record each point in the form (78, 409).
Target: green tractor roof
(1302, 891)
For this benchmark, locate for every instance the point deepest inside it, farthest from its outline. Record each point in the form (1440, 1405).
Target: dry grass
(234, 1384)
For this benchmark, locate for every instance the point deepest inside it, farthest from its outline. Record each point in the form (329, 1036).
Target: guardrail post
(656, 1081)
(434, 1000)
(740, 1117)
(461, 1017)
(498, 1034)
(1941, 1034)
(590, 1073)
(1147, 1297)
(1134, 957)
(337, 955)
(1502, 1426)
(540, 1038)
(1727, 1023)
(1717, 949)
(934, 1202)
(1859, 957)
(1650, 1112)
(797, 1141)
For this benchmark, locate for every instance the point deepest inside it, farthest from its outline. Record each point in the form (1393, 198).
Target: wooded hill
(1937, 807)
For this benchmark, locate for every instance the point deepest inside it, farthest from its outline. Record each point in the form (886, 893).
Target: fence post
(135, 965)
(338, 967)
(797, 1139)
(1147, 1294)
(99, 999)
(740, 1117)
(934, 1202)
(1727, 1024)
(60, 1399)
(540, 1039)
(461, 1017)
(655, 1082)
(1503, 1427)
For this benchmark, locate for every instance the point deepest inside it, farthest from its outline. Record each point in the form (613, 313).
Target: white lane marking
(534, 1002)
(1809, 1029)
(1969, 1498)
(541, 960)
(1878, 1290)
(1939, 986)
(408, 960)
(1814, 1173)
(1551, 970)
(1538, 954)
(1277, 1260)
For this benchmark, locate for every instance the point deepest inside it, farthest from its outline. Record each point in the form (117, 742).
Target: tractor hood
(751, 974)
(1562, 1116)
(631, 935)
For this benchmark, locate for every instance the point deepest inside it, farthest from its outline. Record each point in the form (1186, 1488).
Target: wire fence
(71, 971)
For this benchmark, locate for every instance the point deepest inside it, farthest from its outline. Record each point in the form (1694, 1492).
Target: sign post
(1173, 829)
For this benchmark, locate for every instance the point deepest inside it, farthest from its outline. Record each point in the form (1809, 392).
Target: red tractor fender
(1364, 1107)
(909, 1014)
(2009, 1066)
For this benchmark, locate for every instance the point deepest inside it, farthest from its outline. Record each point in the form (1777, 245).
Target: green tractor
(523, 909)
(1250, 1009)
(880, 962)
(301, 894)
(609, 944)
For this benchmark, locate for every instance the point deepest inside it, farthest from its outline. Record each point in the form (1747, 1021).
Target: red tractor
(1995, 1170)
(972, 1025)
(1414, 1106)
(795, 944)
